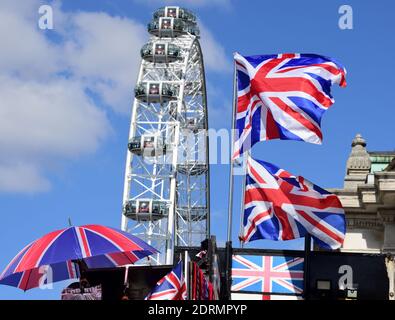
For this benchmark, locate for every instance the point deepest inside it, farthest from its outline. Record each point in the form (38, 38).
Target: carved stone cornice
(391, 166)
(387, 215)
(361, 223)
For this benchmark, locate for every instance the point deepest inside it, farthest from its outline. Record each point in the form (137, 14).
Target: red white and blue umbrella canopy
(52, 258)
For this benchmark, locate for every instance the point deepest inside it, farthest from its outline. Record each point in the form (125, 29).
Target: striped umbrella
(58, 255)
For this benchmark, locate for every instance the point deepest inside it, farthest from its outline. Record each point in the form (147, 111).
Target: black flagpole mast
(230, 196)
(306, 266)
(241, 231)
(244, 163)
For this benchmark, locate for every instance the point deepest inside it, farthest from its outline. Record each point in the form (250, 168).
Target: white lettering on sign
(346, 280)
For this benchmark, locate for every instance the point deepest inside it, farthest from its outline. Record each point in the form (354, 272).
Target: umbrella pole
(125, 281)
(126, 284)
(82, 268)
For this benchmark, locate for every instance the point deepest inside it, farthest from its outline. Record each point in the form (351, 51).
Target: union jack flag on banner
(170, 287)
(281, 206)
(283, 97)
(267, 274)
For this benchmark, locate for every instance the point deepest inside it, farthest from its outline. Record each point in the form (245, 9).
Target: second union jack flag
(281, 206)
(170, 287)
(283, 97)
(267, 274)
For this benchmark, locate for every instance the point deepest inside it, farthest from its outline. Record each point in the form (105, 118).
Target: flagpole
(242, 210)
(230, 195)
(186, 274)
(306, 266)
(241, 231)
(231, 160)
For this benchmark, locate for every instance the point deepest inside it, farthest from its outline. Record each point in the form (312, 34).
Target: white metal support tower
(166, 199)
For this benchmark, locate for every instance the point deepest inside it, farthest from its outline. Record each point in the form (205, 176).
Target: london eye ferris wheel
(166, 198)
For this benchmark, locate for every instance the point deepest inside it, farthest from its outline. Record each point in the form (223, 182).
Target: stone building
(368, 197)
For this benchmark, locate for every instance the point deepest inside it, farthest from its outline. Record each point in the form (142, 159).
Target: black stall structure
(342, 275)
(136, 282)
(210, 260)
(328, 275)
(331, 275)
(122, 283)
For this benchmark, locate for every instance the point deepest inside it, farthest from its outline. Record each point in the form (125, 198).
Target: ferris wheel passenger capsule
(156, 92)
(171, 28)
(175, 12)
(160, 52)
(145, 209)
(148, 145)
(193, 124)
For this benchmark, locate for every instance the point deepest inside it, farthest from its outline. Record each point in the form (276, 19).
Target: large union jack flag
(283, 97)
(170, 287)
(281, 206)
(267, 274)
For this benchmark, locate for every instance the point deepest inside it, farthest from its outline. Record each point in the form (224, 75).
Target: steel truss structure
(166, 199)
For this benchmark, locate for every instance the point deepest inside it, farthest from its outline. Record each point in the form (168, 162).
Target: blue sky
(65, 98)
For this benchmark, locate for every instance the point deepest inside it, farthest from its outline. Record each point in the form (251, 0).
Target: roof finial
(358, 140)
(358, 163)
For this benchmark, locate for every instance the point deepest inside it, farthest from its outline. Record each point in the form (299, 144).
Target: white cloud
(24, 51)
(104, 51)
(215, 57)
(42, 122)
(46, 115)
(22, 177)
(51, 118)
